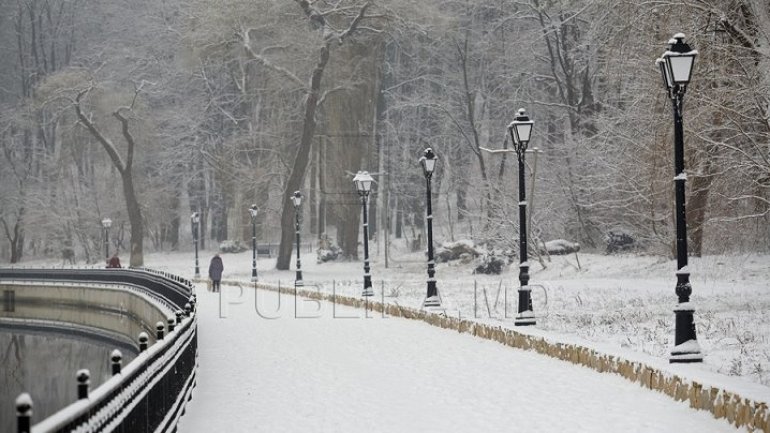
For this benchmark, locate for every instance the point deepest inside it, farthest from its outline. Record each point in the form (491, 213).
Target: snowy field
(281, 373)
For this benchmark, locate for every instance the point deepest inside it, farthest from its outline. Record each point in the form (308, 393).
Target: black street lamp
(253, 213)
(296, 198)
(520, 130)
(676, 70)
(106, 224)
(428, 163)
(363, 181)
(195, 219)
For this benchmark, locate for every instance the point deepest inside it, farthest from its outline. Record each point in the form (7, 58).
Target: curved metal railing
(150, 393)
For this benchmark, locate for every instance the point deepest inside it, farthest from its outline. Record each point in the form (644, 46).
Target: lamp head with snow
(253, 211)
(521, 130)
(676, 63)
(428, 162)
(363, 181)
(296, 198)
(106, 223)
(195, 218)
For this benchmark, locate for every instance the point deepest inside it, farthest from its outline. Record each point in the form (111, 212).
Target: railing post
(171, 322)
(84, 379)
(159, 327)
(117, 358)
(23, 413)
(187, 309)
(143, 338)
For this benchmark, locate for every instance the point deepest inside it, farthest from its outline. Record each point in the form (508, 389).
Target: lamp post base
(687, 352)
(525, 318)
(432, 301)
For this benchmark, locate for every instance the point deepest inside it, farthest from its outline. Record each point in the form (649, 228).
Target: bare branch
(109, 147)
(265, 62)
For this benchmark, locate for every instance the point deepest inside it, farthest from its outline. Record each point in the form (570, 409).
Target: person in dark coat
(114, 261)
(215, 272)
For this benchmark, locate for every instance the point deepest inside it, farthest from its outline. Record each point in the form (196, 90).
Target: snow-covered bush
(620, 240)
(461, 250)
(560, 247)
(491, 262)
(232, 247)
(327, 250)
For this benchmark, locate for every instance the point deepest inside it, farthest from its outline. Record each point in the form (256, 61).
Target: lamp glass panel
(665, 74)
(680, 67)
(430, 164)
(523, 131)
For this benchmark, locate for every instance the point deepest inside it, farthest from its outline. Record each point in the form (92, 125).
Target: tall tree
(125, 166)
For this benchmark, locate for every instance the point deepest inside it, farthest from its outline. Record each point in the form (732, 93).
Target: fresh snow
(325, 368)
(621, 304)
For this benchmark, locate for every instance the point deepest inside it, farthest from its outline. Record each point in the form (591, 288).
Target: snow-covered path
(350, 373)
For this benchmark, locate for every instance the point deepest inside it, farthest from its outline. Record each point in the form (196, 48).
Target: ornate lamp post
(253, 213)
(363, 183)
(428, 163)
(296, 198)
(106, 224)
(520, 130)
(195, 220)
(676, 70)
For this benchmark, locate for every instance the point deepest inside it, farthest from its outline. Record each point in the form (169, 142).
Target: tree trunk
(297, 175)
(135, 219)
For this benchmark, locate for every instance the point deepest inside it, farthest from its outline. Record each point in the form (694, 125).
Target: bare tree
(324, 22)
(124, 166)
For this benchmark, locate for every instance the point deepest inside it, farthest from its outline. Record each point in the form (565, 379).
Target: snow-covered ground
(622, 301)
(326, 368)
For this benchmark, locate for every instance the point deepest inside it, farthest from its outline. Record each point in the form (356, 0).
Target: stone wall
(115, 310)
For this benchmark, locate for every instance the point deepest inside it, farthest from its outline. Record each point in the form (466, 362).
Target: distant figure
(114, 261)
(68, 255)
(215, 272)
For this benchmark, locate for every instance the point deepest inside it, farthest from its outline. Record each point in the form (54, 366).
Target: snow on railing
(149, 394)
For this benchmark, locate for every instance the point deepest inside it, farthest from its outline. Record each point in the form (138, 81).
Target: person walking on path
(215, 272)
(114, 261)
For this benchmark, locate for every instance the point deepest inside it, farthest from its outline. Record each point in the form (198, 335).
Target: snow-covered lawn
(290, 374)
(622, 301)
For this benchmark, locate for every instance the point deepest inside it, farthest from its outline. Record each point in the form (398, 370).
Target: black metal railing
(148, 394)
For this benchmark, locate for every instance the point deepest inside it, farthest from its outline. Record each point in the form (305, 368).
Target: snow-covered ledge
(739, 404)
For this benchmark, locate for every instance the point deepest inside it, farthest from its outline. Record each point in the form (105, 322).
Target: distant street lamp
(520, 130)
(253, 213)
(676, 70)
(106, 224)
(428, 163)
(195, 219)
(363, 183)
(296, 198)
